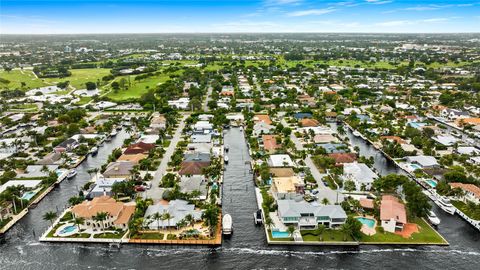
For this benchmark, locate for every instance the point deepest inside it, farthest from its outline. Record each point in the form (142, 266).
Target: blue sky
(192, 16)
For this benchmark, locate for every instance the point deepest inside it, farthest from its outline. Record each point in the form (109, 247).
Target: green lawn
(138, 88)
(327, 236)
(80, 76)
(158, 236)
(84, 100)
(16, 77)
(117, 235)
(463, 207)
(426, 235)
(27, 107)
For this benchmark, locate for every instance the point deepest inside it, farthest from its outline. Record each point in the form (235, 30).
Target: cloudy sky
(192, 16)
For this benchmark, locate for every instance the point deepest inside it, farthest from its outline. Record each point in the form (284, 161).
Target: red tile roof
(343, 157)
(139, 148)
(467, 187)
(308, 122)
(392, 208)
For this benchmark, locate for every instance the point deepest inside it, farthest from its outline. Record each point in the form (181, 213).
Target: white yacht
(227, 224)
(433, 219)
(430, 194)
(445, 204)
(225, 159)
(257, 217)
(94, 151)
(357, 134)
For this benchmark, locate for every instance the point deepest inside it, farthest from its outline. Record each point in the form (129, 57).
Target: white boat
(429, 194)
(226, 148)
(257, 217)
(94, 150)
(445, 204)
(357, 134)
(227, 224)
(71, 174)
(433, 219)
(225, 158)
(113, 133)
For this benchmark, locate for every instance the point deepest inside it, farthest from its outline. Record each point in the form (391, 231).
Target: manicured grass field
(16, 77)
(27, 107)
(327, 236)
(109, 235)
(426, 235)
(80, 76)
(138, 88)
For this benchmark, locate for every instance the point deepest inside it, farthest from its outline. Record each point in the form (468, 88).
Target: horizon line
(259, 33)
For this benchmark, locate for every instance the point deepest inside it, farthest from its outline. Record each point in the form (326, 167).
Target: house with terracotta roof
(139, 148)
(341, 158)
(262, 118)
(134, 158)
(270, 144)
(472, 192)
(308, 122)
(393, 139)
(119, 214)
(392, 214)
(325, 138)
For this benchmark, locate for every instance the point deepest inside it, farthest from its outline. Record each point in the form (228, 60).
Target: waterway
(246, 249)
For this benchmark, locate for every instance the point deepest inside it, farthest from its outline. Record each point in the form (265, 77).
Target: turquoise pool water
(28, 195)
(68, 229)
(431, 182)
(415, 166)
(367, 221)
(279, 234)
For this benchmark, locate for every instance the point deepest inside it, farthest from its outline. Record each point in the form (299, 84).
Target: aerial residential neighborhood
(255, 144)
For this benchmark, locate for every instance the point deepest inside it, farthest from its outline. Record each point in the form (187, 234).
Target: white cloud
(430, 7)
(281, 2)
(412, 22)
(310, 12)
(378, 2)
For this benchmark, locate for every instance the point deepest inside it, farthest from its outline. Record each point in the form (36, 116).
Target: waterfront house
(66, 146)
(280, 161)
(471, 192)
(392, 214)
(325, 138)
(304, 215)
(201, 138)
(423, 161)
(134, 158)
(102, 187)
(53, 158)
(139, 148)
(119, 169)
(188, 184)
(341, 158)
(262, 118)
(119, 214)
(37, 171)
(360, 174)
(178, 210)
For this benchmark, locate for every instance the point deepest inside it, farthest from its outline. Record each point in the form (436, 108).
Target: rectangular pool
(279, 234)
(431, 182)
(28, 195)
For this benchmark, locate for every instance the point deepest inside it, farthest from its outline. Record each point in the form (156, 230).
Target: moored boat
(227, 148)
(94, 151)
(433, 219)
(71, 174)
(356, 134)
(225, 159)
(445, 204)
(257, 217)
(227, 224)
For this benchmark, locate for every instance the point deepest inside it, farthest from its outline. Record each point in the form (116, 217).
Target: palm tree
(167, 216)
(325, 201)
(101, 217)
(50, 216)
(290, 230)
(346, 230)
(78, 221)
(157, 216)
(190, 220)
(269, 223)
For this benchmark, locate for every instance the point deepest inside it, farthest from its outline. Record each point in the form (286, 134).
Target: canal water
(246, 249)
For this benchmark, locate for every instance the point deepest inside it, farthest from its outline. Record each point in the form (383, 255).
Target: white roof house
(360, 174)
(25, 183)
(447, 140)
(280, 161)
(424, 161)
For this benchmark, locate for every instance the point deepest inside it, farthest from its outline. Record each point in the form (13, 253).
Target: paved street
(156, 192)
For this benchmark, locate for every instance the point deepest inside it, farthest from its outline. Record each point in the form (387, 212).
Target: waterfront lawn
(327, 236)
(463, 207)
(270, 237)
(109, 235)
(155, 236)
(426, 235)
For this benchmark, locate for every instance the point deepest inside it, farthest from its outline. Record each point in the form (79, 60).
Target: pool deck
(366, 229)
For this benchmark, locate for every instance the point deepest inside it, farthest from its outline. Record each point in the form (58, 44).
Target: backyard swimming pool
(279, 234)
(431, 182)
(28, 195)
(367, 221)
